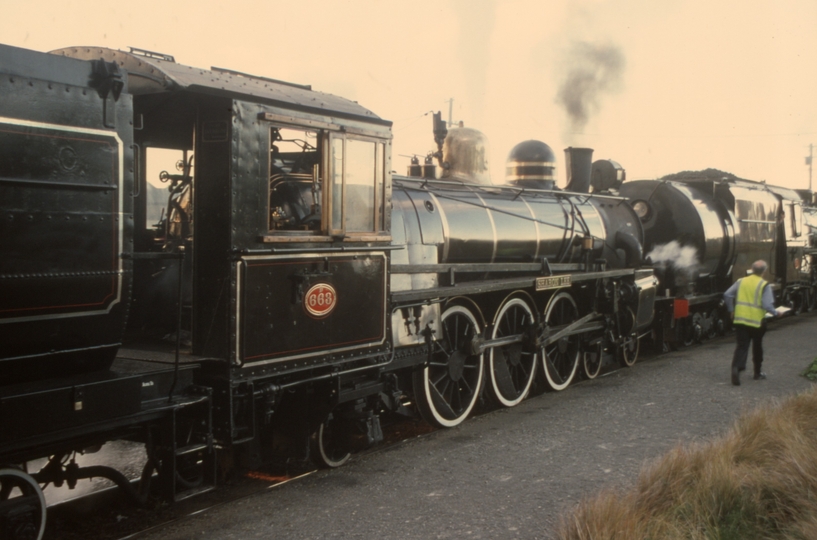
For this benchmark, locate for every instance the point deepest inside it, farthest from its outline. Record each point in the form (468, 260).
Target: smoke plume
(592, 70)
(674, 254)
(476, 28)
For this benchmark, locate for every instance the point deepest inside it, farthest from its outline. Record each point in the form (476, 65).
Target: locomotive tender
(290, 292)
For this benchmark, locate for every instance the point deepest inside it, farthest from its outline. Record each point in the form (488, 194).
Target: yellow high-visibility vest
(749, 301)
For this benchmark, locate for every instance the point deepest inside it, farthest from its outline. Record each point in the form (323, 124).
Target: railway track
(107, 515)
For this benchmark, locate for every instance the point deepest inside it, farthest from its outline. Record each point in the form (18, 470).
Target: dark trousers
(746, 334)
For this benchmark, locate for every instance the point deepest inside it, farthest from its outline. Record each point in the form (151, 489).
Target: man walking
(749, 299)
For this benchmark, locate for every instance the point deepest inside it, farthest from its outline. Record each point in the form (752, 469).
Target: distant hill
(706, 174)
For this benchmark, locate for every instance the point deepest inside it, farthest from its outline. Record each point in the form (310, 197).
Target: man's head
(759, 267)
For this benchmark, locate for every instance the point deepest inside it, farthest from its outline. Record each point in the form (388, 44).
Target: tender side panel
(60, 233)
(300, 306)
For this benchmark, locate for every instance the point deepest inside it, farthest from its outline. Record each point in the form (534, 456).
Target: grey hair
(759, 267)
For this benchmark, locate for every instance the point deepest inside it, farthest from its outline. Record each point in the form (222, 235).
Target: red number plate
(320, 300)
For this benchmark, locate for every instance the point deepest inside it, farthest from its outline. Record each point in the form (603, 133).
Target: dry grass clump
(757, 481)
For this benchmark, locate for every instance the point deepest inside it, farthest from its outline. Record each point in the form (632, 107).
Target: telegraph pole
(809, 162)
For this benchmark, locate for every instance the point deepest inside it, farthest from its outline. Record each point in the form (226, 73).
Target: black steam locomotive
(703, 230)
(284, 293)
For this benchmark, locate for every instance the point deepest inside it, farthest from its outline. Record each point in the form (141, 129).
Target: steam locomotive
(283, 293)
(703, 230)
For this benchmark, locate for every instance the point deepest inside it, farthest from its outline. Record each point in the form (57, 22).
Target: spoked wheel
(330, 445)
(711, 324)
(22, 506)
(448, 388)
(560, 359)
(717, 325)
(800, 301)
(512, 367)
(797, 300)
(629, 344)
(592, 360)
(793, 300)
(693, 329)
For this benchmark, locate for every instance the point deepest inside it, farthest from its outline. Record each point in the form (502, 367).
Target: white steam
(674, 254)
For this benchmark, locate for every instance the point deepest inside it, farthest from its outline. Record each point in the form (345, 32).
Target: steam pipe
(631, 247)
(440, 132)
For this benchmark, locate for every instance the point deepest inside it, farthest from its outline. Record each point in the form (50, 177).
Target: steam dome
(465, 156)
(531, 164)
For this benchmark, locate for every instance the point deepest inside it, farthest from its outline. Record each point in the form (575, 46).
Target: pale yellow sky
(725, 84)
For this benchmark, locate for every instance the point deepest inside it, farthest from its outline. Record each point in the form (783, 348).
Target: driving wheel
(448, 388)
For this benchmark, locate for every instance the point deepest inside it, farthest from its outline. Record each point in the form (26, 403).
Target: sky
(658, 86)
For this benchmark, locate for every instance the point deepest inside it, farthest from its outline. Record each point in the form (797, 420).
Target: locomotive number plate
(320, 300)
(555, 282)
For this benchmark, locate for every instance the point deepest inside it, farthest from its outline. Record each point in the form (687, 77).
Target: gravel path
(510, 473)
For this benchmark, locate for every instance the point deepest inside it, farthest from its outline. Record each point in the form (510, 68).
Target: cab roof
(151, 73)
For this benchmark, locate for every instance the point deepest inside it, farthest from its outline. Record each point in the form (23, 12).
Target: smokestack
(578, 164)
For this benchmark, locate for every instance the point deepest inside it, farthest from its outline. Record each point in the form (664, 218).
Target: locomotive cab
(247, 192)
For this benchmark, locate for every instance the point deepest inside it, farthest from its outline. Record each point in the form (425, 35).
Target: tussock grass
(757, 481)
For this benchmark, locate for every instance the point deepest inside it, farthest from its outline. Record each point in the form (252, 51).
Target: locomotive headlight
(642, 210)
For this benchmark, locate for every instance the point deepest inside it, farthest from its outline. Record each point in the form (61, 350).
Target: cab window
(358, 172)
(326, 183)
(294, 182)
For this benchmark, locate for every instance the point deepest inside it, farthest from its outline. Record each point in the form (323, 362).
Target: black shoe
(735, 376)
(760, 376)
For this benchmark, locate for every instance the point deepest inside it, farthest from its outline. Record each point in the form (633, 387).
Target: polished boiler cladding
(500, 224)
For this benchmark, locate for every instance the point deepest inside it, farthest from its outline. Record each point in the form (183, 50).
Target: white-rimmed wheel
(628, 344)
(592, 360)
(512, 366)
(331, 443)
(22, 506)
(560, 359)
(447, 390)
